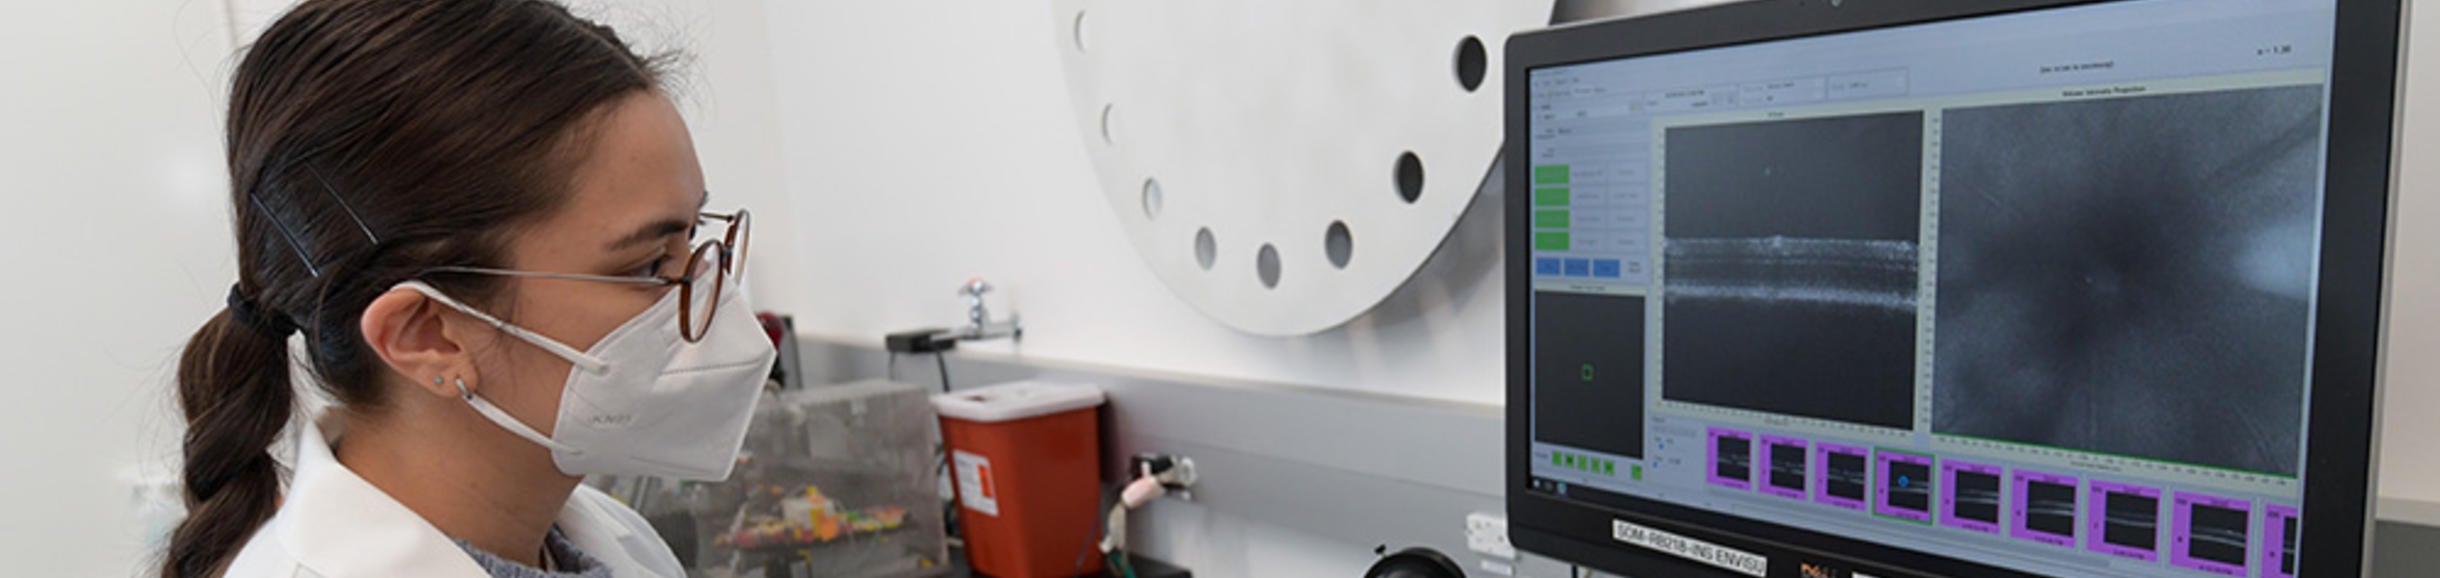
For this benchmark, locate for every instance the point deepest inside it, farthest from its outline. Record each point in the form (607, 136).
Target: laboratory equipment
(2008, 288)
(1318, 157)
(834, 480)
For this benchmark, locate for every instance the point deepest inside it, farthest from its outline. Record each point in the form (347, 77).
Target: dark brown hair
(369, 140)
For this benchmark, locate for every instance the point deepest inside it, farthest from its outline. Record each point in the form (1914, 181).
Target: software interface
(2033, 290)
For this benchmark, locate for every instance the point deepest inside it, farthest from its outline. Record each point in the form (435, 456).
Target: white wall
(927, 142)
(119, 244)
(2410, 460)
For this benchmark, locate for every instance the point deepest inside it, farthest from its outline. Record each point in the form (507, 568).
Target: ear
(409, 331)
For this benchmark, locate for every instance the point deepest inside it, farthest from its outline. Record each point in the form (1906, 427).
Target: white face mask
(643, 401)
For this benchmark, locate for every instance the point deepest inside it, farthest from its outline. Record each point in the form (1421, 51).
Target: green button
(1609, 468)
(1550, 219)
(1550, 175)
(1558, 459)
(1550, 241)
(1550, 197)
(1635, 471)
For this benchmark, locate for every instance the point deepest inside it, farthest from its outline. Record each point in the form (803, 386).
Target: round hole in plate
(1152, 199)
(1338, 244)
(1081, 43)
(1207, 249)
(1410, 177)
(1266, 266)
(1471, 63)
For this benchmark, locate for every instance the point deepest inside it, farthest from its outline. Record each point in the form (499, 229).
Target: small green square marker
(1550, 241)
(1635, 471)
(1550, 197)
(1550, 175)
(1609, 468)
(1558, 459)
(1556, 219)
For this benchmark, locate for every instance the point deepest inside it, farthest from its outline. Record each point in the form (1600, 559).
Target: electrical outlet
(1174, 471)
(1487, 534)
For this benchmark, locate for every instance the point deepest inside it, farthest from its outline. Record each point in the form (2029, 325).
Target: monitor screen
(2033, 290)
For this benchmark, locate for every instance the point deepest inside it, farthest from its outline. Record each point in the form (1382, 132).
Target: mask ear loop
(508, 422)
(583, 361)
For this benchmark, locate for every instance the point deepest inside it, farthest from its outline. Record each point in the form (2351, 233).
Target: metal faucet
(979, 325)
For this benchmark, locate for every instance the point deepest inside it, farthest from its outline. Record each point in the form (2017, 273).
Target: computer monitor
(1944, 288)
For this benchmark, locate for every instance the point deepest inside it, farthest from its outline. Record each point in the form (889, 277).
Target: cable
(943, 362)
(1092, 536)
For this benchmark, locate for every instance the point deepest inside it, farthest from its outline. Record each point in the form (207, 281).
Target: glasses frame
(729, 252)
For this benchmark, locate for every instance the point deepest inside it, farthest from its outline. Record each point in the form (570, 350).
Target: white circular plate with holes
(1284, 165)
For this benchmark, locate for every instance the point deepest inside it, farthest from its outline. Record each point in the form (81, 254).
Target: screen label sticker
(1723, 557)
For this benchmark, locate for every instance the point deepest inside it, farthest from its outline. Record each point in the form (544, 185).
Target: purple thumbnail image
(1906, 486)
(1730, 459)
(1842, 475)
(2123, 520)
(2280, 526)
(1782, 467)
(2043, 509)
(1971, 492)
(2208, 533)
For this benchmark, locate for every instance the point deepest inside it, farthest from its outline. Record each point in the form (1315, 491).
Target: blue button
(1551, 266)
(1579, 267)
(1606, 268)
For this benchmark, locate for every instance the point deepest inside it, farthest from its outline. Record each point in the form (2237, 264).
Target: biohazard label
(975, 488)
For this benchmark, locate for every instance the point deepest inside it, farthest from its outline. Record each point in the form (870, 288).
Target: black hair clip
(291, 235)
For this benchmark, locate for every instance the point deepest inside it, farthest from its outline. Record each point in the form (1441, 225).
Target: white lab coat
(332, 524)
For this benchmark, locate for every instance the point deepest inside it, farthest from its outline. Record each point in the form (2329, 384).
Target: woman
(478, 214)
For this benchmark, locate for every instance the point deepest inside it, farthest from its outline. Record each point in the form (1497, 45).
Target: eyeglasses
(707, 273)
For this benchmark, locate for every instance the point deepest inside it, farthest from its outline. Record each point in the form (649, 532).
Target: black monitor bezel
(2349, 311)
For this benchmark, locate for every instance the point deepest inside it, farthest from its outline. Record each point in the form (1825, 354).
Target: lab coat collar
(588, 523)
(345, 527)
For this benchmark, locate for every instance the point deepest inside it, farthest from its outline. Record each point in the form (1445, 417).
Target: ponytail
(233, 384)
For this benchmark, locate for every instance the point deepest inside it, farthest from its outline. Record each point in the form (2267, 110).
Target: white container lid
(1016, 400)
